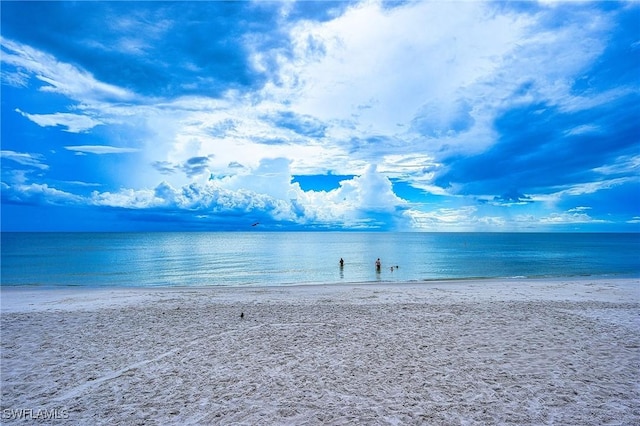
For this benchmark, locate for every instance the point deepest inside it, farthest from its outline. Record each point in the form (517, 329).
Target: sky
(301, 115)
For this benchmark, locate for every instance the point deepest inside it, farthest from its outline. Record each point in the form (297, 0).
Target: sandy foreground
(473, 352)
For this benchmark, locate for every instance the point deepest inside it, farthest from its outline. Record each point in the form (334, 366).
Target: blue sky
(403, 116)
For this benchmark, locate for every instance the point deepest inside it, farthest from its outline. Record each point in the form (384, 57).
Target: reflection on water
(232, 259)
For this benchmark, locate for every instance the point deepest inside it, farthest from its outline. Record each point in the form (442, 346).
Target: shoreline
(27, 298)
(560, 351)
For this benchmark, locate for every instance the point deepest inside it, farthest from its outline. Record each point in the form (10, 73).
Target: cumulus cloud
(197, 201)
(127, 199)
(372, 191)
(272, 177)
(366, 201)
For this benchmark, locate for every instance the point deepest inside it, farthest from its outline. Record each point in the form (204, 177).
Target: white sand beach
(461, 352)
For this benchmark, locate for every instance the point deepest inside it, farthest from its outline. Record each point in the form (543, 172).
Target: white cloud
(473, 218)
(365, 201)
(17, 78)
(627, 164)
(445, 219)
(100, 149)
(128, 199)
(579, 209)
(34, 192)
(74, 123)
(26, 159)
(372, 191)
(272, 177)
(429, 77)
(591, 187)
(365, 74)
(82, 184)
(568, 217)
(379, 67)
(196, 200)
(584, 129)
(400, 88)
(59, 77)
(420, 79)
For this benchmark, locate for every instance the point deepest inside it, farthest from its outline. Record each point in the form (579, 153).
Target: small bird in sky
(256, 224)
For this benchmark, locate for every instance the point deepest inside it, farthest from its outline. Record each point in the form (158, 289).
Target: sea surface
(288, 258)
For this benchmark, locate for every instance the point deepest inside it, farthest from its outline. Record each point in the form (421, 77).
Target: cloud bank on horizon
(423, 116)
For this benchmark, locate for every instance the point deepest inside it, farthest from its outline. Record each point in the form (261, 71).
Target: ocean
(289, 258)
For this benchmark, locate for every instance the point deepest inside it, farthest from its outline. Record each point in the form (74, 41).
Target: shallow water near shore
(286, 258)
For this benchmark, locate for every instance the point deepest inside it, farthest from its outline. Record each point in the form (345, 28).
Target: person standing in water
(341, 262)
(378, 265)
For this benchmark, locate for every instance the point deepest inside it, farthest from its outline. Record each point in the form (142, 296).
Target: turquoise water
(242, 259)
